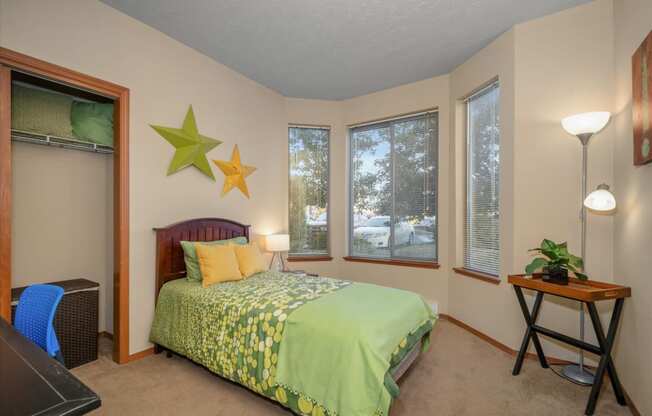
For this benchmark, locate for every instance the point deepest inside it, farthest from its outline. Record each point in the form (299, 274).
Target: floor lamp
(584, 126)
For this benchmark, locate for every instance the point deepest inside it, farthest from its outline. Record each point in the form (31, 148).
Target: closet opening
(64, 201)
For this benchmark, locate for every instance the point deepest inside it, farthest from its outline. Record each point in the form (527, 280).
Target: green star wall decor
(191, 146)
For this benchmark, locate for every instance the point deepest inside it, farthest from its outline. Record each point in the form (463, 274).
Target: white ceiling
(337, 49)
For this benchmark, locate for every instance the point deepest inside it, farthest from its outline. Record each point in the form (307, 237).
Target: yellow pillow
(217, 264)
(250, 259)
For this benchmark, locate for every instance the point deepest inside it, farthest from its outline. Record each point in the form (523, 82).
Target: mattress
(238, 330)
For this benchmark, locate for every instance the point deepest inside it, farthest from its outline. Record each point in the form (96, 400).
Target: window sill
(406, 263)
(309, 258)
(485, 277)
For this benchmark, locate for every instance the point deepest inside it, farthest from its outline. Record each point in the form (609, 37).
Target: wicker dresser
(76, 320)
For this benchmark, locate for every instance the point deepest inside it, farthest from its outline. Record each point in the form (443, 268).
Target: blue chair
(35, 314)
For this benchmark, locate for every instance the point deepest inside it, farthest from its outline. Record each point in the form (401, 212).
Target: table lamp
(584, 126)
(277, 244)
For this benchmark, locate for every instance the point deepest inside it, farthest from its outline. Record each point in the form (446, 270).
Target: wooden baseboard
(630, 404)
(510, 351)
(140, 355)
(105, 335)
(132, 357)
(498, 344)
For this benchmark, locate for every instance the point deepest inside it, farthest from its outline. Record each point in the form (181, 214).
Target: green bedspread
(239, 331)
(353, 332)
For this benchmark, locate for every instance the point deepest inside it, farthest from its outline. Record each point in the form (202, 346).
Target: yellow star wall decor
(235, 173)
(191, 146)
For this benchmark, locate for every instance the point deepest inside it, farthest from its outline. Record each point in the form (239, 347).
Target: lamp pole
(583, 126)
(577, 372)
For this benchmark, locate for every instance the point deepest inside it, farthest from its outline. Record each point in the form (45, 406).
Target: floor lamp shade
(586, 123)
(601, 199)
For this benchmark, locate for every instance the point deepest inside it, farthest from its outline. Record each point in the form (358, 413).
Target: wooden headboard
(169, 254)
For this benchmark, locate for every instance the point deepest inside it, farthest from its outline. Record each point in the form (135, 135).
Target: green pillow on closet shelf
(190, 255)
(39, 111)
(92, 122)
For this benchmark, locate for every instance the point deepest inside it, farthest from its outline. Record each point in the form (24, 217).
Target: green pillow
(92, 122)
(40, 111)
(193, 273)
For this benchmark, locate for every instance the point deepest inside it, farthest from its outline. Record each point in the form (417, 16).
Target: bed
(317, 346)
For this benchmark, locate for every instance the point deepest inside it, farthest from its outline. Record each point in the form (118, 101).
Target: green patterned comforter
(235, 329)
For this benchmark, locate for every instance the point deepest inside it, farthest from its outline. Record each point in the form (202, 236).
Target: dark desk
(33, 383)
(588, 292)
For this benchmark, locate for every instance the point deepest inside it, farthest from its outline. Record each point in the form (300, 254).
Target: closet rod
(56, 141)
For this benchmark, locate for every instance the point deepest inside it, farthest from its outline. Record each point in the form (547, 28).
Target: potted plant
(555, 261)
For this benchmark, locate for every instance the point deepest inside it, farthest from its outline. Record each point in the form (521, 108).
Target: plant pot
(557, 276)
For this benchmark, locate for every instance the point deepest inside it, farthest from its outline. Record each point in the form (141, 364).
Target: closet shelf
(63, 142)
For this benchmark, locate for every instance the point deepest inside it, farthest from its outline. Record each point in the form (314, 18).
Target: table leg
(605, 360)
(611, 369)
(530, 320)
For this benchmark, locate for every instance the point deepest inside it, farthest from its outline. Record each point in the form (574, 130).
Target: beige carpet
(460, 375)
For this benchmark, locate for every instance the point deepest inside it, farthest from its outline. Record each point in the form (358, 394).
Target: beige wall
(548, 68)
(633, 221)
(470, 299)
(61, 217)
(564, 66)
(430, 93)
(326, 113)
(164, 78)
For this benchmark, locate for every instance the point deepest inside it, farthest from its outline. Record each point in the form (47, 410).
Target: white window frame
(377, 124)
(308, 256)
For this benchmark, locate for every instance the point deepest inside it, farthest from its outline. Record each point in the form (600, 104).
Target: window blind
(482, 219)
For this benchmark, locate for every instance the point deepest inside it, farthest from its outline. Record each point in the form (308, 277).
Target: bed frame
(169, 253)
(170, 264)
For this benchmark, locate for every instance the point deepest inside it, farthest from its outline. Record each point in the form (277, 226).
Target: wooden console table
(587, 292)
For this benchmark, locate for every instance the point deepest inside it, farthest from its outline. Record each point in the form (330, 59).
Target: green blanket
(349, 335)
(236, 329)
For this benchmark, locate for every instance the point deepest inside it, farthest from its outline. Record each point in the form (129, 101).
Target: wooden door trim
(12, 60)
(5, 193)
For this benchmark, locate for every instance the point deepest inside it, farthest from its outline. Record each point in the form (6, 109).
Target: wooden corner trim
(309, 258)
(140, 355)
(393, 262)
(485, 277)
(5, 193)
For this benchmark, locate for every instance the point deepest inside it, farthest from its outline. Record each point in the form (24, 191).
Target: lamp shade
(586, 123)
(601, 199)
(278, 242)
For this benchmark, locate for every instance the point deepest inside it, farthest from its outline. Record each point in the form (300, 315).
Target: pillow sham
(250, 259)
(217, 263)
(193, 273)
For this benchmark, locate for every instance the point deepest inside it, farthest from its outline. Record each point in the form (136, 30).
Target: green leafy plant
(554, 257)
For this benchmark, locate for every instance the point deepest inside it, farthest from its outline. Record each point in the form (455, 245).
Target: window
(482, 219)
(308, 169)
(394, 189)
